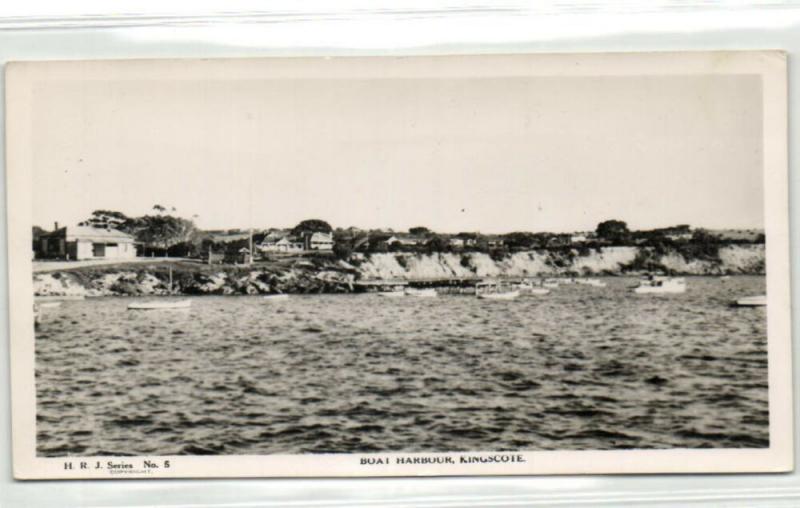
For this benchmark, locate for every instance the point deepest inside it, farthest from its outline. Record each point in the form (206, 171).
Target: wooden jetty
(442, 284)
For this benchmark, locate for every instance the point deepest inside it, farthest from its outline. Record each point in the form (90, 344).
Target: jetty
(441, 284)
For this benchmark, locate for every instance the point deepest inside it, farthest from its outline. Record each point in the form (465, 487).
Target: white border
(770, 65)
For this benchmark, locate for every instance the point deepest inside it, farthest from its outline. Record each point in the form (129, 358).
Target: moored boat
(58, 298)
(592, 282)
(421, 293)
(166, 304)
(160, 305)
(494, 290)
(528, 287)
(661, 285)
(505, 295)
(276, 298)
(752, 301)
(391, 294)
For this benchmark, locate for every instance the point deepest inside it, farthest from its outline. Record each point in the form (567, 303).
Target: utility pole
(251, 246)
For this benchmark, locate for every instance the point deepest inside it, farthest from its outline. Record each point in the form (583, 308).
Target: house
(284, 244)
(86, 242)
(495, 242)
(457, 243)
(319, 241)
(467, 240)
(270, 242)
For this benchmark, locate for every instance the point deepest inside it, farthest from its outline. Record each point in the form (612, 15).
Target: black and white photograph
(400, 266)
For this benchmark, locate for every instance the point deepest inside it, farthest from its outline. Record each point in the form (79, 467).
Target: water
(582, 368)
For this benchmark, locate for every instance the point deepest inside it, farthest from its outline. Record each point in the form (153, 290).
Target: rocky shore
(329, 275)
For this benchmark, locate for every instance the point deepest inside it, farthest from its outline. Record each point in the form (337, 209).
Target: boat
(49, 305)
(752, 301)
(524, 285)
(661, 285)
(550, 283)
(421, 293)
(504, 295)
(276, 298)
(495, 291)
(391, 294)
(58, 298)
(162, 305)
(592, 282)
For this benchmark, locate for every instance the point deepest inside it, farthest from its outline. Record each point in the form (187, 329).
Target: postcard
(399, 266)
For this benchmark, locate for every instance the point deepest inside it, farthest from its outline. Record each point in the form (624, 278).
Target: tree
(160, 230)
(163, 230)
(312, 226)
(419, 231)
(519, 240)
(613, 230)
(437, 244)
(343, 249)
(107, 219)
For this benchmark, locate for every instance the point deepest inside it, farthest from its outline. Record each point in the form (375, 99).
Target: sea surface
(583, 368)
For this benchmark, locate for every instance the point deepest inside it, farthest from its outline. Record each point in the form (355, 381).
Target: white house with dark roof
(320, 241)
(86, 242)
(278, 241)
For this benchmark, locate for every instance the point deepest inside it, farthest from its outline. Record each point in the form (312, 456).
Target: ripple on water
(584, 368)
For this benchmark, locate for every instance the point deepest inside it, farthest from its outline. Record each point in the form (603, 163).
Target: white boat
(421, 293)
(160, 305)
(505, 295)
(495, 291)
(550, 283)
(752, 301)
(661, 285)
(49, 305)
(527, 287)
(58, 298)
(391, 294)
(166, 304)
(592, 282)
(276, 298)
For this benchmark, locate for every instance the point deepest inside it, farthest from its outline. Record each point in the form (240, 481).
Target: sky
(495, 154)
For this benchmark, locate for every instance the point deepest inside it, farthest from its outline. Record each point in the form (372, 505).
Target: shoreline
(329, 275)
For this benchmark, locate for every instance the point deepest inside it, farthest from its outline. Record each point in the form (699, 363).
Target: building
(319, 241)
(85, 242)
(495, 242)
(286, 242)
(283, 244)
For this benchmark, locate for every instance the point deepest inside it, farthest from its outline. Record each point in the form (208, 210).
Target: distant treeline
(162, 233)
